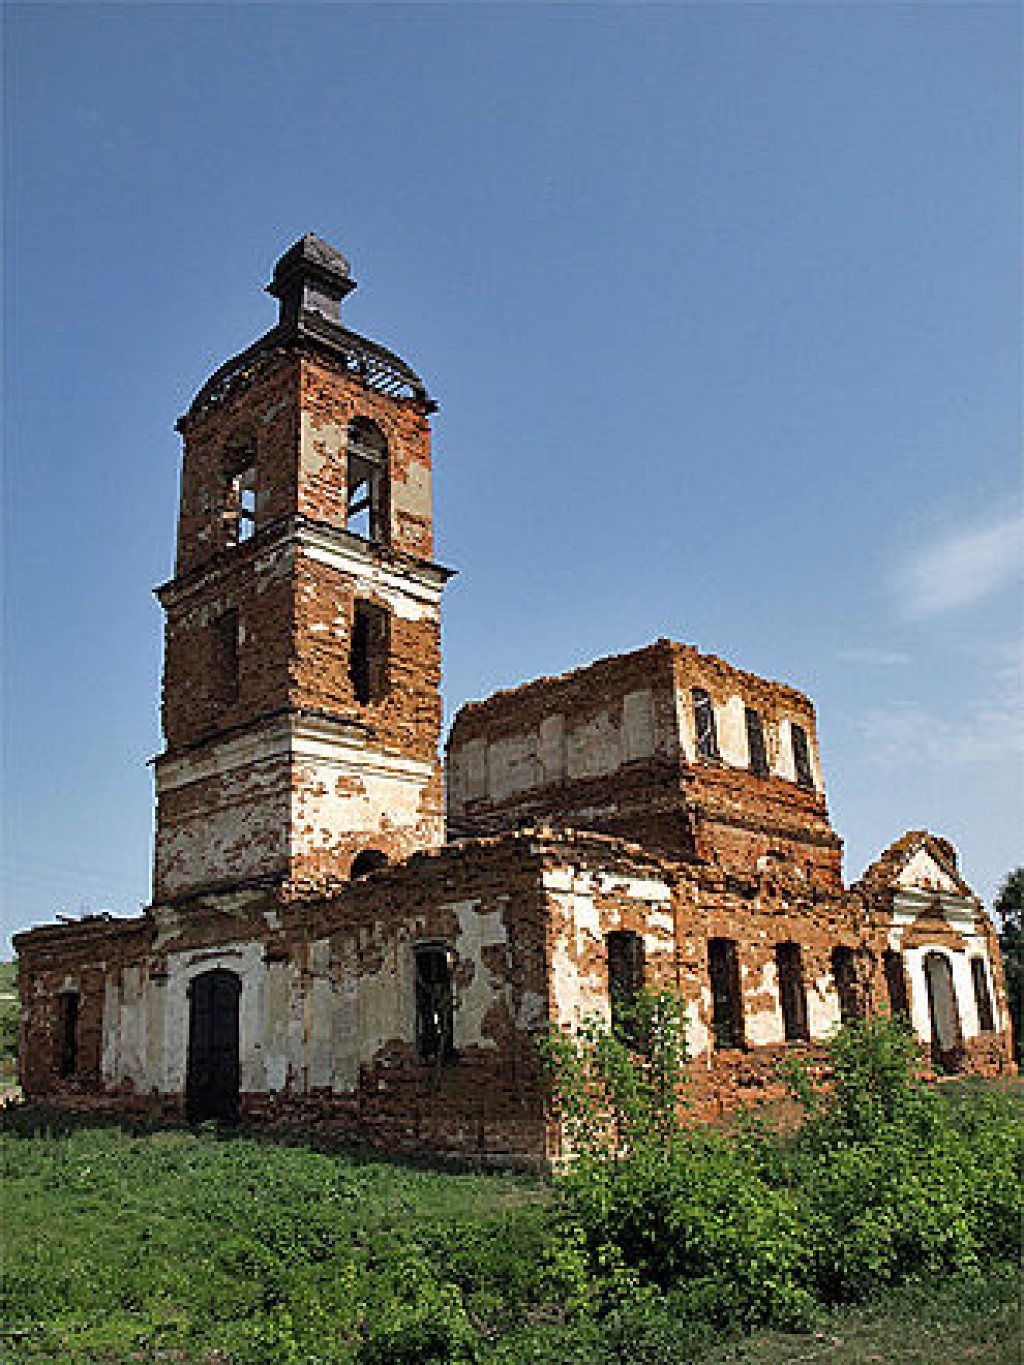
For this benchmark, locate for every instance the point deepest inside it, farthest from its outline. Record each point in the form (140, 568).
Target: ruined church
(341, 933)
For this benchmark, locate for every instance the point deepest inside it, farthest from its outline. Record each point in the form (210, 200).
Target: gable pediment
(923, 873)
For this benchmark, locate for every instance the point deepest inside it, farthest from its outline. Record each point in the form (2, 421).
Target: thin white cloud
(873, 655)
(962, 567)
(908, 736)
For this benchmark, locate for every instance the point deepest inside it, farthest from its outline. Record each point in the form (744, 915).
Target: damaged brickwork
(328, 944)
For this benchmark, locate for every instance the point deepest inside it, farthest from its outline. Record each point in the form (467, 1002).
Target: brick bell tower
(302, 662)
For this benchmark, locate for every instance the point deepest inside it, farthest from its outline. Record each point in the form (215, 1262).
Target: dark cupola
(311, 277)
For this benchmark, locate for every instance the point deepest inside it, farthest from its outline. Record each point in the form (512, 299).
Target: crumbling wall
(375, 782)
(223, 812)
(326, 1004)
(594, 749)
(257, 411)
(742, 815)
(79, 959)
(612, 747)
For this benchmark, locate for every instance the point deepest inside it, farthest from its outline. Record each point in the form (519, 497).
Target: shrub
(882, 1182)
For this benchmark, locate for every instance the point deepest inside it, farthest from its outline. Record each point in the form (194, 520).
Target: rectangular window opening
(844, 973)
(792, 994)
(755, 744)
(435, 1003)
(369, 650)
(982, 995)
(704, 724)
(625, 979)
(226, 657)
(802, 757)
(68, 1032)
(726, 993)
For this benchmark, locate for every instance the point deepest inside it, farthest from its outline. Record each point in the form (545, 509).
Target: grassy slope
(173, 1246)
(114, 1242)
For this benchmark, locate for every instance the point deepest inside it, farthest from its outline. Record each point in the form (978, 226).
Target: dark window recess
(366, 862)
(755, 744)
(896, 982)
(802, 757)
(704, 724)
(982, 997)
(67, 1025)
(369, 646)
(366, 480)
(844, 972)
(225, 658)
(792, 995)
(726, 994)
(625, 979)
(435, 1004)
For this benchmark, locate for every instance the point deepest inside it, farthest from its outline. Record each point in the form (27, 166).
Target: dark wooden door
(212, 1085)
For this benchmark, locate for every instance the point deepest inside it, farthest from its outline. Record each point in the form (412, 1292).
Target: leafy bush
(881, 1183)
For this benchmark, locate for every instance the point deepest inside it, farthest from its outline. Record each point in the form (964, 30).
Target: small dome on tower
(311, 277)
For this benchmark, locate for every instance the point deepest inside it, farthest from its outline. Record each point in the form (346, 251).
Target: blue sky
(720, 303)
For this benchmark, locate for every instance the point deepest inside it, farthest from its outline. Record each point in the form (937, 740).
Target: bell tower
(301, 704)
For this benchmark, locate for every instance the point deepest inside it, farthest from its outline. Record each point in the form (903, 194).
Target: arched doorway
(366, 862)
(947, 1037)
(212, 1083)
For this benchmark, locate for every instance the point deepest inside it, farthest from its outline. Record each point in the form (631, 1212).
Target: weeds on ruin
(882, 1183)
(617, 1091)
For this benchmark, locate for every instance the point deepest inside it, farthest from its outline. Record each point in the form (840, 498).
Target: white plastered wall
(733, 745)
(342, 787)
(579, 979)
(559, 747)
(959, 914)
(305, 1022)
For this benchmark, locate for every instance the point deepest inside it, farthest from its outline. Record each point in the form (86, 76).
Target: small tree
(1009, 906)
(617, 1090)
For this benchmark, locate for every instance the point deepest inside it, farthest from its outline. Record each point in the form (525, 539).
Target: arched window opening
(435, 1003)
(369, 860)
(67, 1033)
(792, 993)
(726, 993)
(366, 480)
(947, 1035)
(844, 973)
(982, 995)
(240, 466)
(625, 979)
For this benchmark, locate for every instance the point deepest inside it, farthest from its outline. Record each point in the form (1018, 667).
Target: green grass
(8, 1022)
(117, 1243)
(174, 1246)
